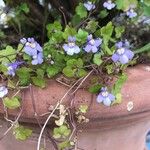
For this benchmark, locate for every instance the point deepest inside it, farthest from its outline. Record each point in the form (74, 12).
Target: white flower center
(32, 45)
(35, 57)
(120, 51)
(10, 68)
(92, 42)
(89, 2)
(109, 1)
(71, 44)
(105, 93)
(131, 10)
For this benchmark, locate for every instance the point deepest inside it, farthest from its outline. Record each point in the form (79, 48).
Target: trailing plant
(77, 47)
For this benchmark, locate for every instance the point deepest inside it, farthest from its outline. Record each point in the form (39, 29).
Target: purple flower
(105, 97)
(123, 54)
(71, 48)
(109, 5)
(3, 91)
(131, 13)
(37, 59)
(89, 6)
(33, 49)
(92, 44)
(23, 41)
(12, 67)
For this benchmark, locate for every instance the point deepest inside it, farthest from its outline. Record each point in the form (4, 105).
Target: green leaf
(24, 7)
(97, 59)
(146, 10)
(82, 36)
(95, 88)
(119, 31)
(125, 4)
(92, 26)
(81, 10)
(38, 82)
(69, 31)
(54, 27)
(79, 63)
(119, 83)
(118, 99)
(71, 62)
(81, 73)
(40, 73)
(3, 69)
(106, 31)
(145, 48)
(52, 71)
(106, 49)
(103, 14)
(24, 75)
(64, 145)
(83, 109)
(76, 20)
(147, 2)
(109, 69)
(21, 133)
(11, 103)
(7, 55)
(69, 72)
(61, 132)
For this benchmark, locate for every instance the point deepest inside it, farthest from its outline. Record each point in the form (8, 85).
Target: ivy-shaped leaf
(95, 88)
(92, 26)
(126, 4)
(82, 36)
(81, 10)
(74, 68)
(11, 103)
(24, 75)
(119, 31)
(21, 133)
(7, 55)
(38, 82)
(64, 145)
(97, 59)
(61, 132)
(52, 71)
(69, 31)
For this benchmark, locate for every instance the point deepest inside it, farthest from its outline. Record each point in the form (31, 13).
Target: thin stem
(83, 81)
(51, 114)
(143, 49)
(65, 20)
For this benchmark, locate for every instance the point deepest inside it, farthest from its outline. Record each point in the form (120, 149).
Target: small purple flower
(3, 91)
(37, 59)
(12, 67)
(131, 13)
(23, 41)
(89, 6)
(105, 97)
(92, 44)
(71, 48)
(109, 5)
(123, 54)
(33, 49)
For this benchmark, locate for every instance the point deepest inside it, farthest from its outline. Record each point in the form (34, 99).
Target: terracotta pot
(113, 127)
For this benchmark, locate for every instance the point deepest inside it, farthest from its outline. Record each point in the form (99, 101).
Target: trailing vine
(79, 48)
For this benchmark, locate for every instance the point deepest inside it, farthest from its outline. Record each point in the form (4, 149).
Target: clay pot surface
(113, 127)
(136, 90)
